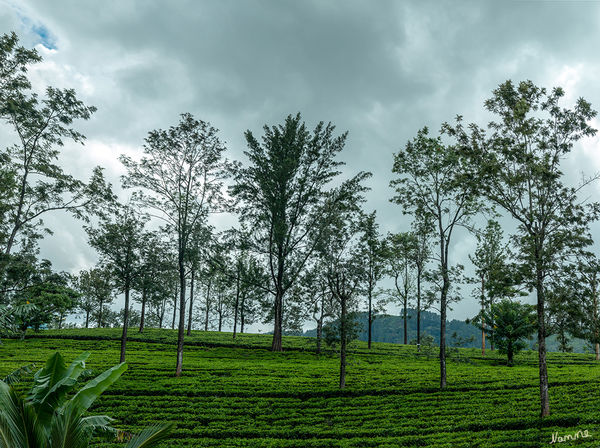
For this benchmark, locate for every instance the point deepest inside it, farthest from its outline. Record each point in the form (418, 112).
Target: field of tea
(239, 394)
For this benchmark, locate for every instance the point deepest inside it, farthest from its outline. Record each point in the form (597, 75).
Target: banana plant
(50, 417)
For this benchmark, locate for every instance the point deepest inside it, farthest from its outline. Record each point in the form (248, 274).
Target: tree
(53, 299)
(155, 260)
(118, 240)
(518, 170)
(181, 173)
(45, 417)
(512, 322)
(35, 183)
(279, 194)
(375, 259)
(489, 260)
(573, 305)
(197, 255)
(422, 231)
(346, 272)
(400, 255)
(435, 185)
(95, 289)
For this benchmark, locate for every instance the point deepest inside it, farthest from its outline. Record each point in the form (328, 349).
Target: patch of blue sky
(38, 30)
(44, 35)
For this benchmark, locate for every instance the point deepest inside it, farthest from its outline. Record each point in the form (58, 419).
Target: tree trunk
(343, 343)
(87, 319)
(509, 353)
(482, 311)
(125, 322)
(320, 327)
(237, 302)
(181, 329)
(100, 313)
(143, 313)
(207, 304)
(189, 326)
(419, 310)
(220, 311)
(443, 302)
(405, 303)
(242, 313)
(544, 396)
(405, 321)
(597, 352)
(370, 313)
(276, 346)
(177, 292)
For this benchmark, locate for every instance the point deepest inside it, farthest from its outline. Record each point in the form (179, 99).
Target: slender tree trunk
(177, 293)
(405, 303)
(320, 327)
(189, 326)
(595, 316)
(276, 346)
(143, 313)
(370, 312)
(87, 319)
(125, 322)
(242, 313)
(100, 313)
(509, 353)
(443, 304)
(343, 343)
(544, 395)
(491, 329)
(181, 329)
(482, 319)
(220, 311)
(405, 321)
(237, 302)
(207, 304)
(419, 310)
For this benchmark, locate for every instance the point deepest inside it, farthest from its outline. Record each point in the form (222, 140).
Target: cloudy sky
(379, 69)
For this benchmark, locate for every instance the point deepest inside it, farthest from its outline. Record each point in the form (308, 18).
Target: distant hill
(388, 328)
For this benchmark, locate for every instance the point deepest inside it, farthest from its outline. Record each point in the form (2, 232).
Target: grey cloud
(381, 70)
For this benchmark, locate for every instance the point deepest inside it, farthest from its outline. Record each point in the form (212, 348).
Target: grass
(239, 394)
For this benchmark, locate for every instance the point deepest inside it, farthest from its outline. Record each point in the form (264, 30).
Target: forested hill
(387, 328)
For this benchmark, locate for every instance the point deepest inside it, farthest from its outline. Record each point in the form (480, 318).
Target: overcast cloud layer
(380, 70)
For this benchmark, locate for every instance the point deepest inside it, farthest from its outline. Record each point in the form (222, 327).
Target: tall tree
(118, 240)
(95, 288)
(400, 256)
(489, 261)
(181, 172)
(423, 232)
(279, 193)
(518, 166)
(35, 184)
(342, 254)
(434, 186)
(375, 259)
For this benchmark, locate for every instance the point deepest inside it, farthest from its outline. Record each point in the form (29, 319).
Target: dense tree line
(305, 248)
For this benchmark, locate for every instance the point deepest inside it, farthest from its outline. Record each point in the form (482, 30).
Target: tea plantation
(239, 394)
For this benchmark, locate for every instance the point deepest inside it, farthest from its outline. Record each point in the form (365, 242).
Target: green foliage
(46, 417)
(33, 182)
(285, 196)
(512, 323)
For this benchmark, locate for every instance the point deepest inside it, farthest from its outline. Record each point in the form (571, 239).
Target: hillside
(388, 328)
(239, 394)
